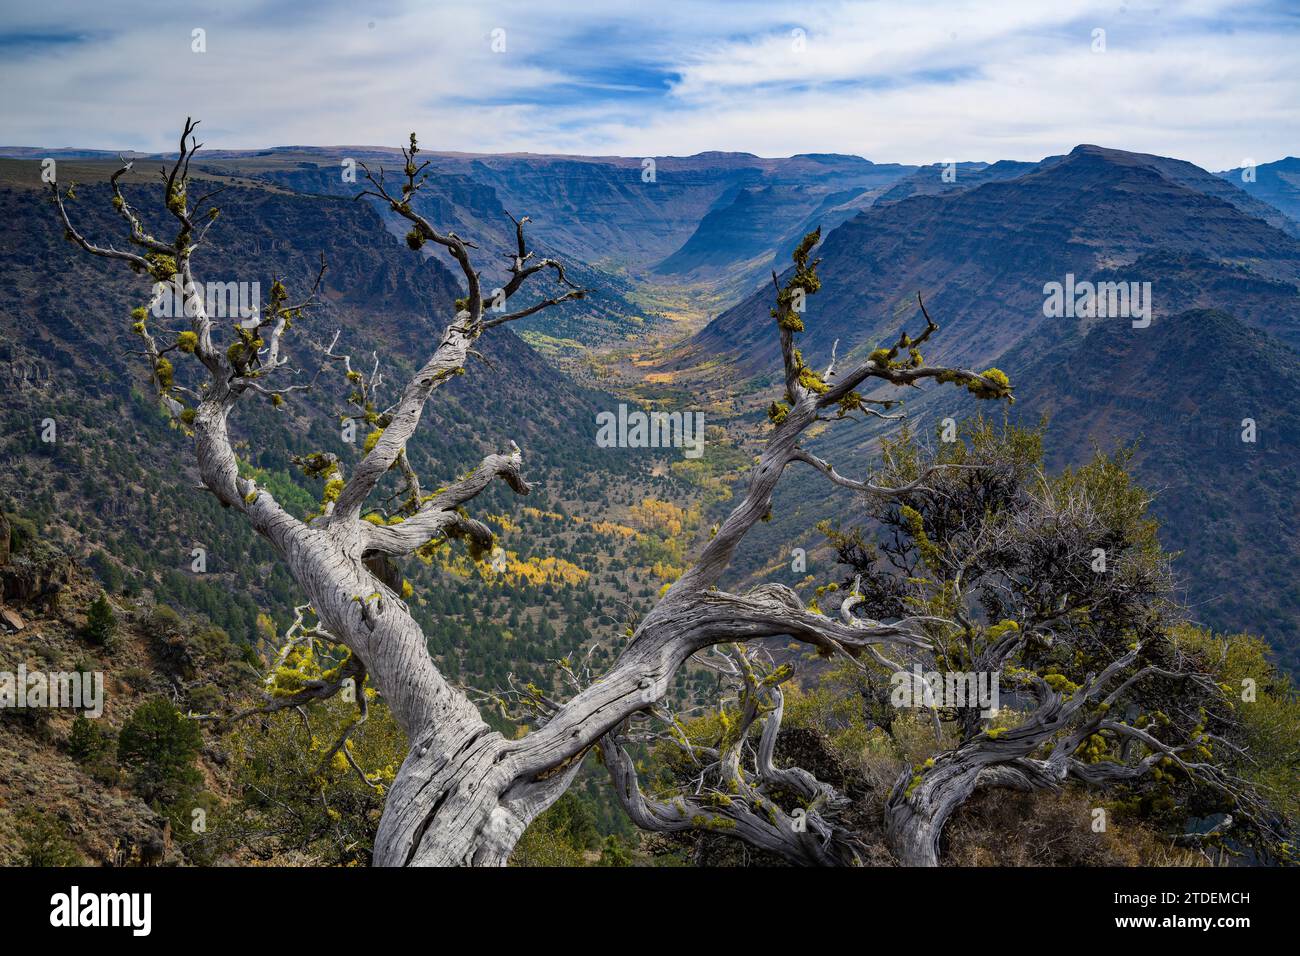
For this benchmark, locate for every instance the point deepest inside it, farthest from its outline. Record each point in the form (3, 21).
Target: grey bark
(464, 793)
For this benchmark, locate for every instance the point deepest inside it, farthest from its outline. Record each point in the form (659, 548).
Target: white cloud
(1209, 80)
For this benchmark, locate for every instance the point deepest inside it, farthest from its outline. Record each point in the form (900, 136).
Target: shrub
(163, 622)
(107, 571)
(290, 803)
(206, 699)
(613, 853)
(560, 835)
(44, 842)
(22, 532)
(101, 622)
(85, 740)
(214, 642)
(137, 678)
(157, 746)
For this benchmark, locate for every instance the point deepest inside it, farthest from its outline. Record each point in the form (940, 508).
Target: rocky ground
(43, 626)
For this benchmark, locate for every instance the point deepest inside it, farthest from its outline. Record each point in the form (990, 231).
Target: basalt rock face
(20, 372)
(981, 257)
(35, 579)
(710, 216)
(1192, 176)
(639, 222)
(455, 201)
(749, 227)
(741, 229)
(609, 207)
(954, 177)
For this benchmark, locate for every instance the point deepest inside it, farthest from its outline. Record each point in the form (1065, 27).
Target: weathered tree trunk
(465, 793)
(917, 813)
(924, 798)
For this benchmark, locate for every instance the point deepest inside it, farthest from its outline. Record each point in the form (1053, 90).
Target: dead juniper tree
(1059, 587)
(734, 767)
(465, 793)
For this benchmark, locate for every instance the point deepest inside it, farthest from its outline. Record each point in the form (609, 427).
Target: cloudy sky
(1211, 81)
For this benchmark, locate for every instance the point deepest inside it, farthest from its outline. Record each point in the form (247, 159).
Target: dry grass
(1009, 828)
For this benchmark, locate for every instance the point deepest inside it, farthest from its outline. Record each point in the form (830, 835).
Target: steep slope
(1181, 392)
(982, 257)
(1277, 184)
(606, 204)
(748, 226)
(930, 180)
(840, 207)
(84, 794)
(459, 203)
(117, 476)
(1187, 393)
(741, 230)
(714, 218)
(1194, 177)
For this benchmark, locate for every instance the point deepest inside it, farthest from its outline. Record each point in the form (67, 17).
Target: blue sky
(1211, 81)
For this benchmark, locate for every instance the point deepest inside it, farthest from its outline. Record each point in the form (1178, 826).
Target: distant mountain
(459, 203)
(1277, 184)
(741, 229)
(982, 256)
(1194, 177)
(836, 208)
(707, 217)
(65, 152)
(748, 227)
(608, 217)
(930, 180)
(1221, 348)
(610, 206)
